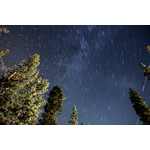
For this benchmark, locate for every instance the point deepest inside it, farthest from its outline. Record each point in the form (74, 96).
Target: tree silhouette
(53, 107)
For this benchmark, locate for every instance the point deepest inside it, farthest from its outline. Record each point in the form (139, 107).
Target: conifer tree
(53, 107)
(141, 108)
(74, 117)
(21, 93)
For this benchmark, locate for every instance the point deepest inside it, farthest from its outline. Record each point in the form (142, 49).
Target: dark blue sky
(94, 65)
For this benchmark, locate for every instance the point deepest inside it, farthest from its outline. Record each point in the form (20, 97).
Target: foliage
(21, 93)
(53, 107)
(3, 68)
(148, 49)
(3, 52)
(141, 108)
(146, 70)
(74, 117)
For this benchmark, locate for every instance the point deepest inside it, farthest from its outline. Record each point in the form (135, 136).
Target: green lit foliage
(21, 93)
(146, 70)
(141, 108)
(74, 117)
(3, 52)
(53, 107)
(148, 49)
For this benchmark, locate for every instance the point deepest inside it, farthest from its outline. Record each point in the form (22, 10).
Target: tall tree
(21, 93)
(53, 107)
(74, 117)
(141, 108)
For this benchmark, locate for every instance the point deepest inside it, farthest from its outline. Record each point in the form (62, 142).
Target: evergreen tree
(53, 107)
(74, 117)
(21, 93)
(141, 108)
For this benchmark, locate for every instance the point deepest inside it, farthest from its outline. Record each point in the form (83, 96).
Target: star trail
(94, 65)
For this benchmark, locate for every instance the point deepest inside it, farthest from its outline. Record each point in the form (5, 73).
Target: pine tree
(53, 107)
(21, 93)
(141, 108)
(74, 117)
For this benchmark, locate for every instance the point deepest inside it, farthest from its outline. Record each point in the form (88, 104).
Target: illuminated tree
(21, 93)
(141, 108)
(74, 117)
(53, 107)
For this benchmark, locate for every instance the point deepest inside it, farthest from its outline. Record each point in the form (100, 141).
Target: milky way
(94, 65)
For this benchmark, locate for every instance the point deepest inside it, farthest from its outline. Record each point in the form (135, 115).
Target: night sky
(94, 65)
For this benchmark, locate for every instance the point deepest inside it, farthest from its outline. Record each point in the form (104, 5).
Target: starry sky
(95, 66)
